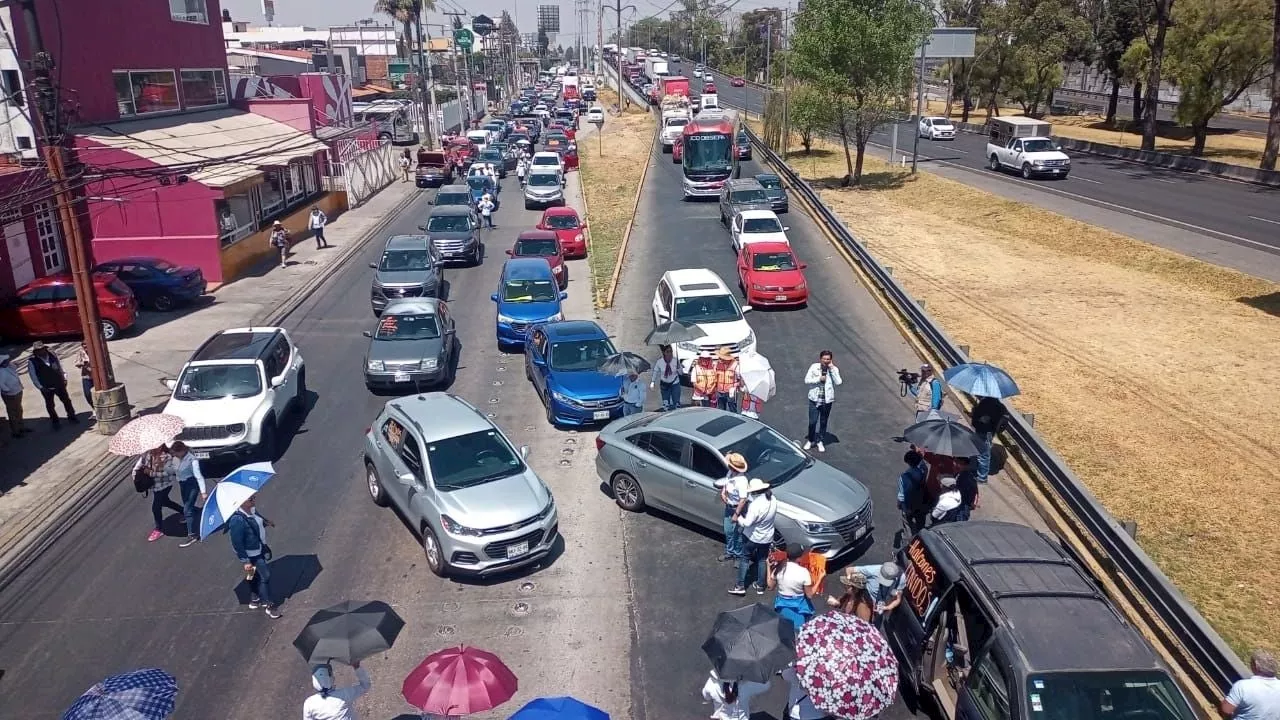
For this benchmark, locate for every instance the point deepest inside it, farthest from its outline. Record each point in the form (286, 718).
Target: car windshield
(491, 154)
(529, 291)
(546, 160)
(453, 199)
(401, 260)
(580, 354)
(769, 183)
(543, 179)
(536, 248)
(407, 327)
(213, 382)
(773, 261)
(448, 223)
(754, 195)
(707, 309)
(1103, 695)
(770, 456)
(561, 222)
(761, 225)
(706, 152)
(677, 122)
(938, 122)
(472, 459)
(478, 182)
(1038, 146)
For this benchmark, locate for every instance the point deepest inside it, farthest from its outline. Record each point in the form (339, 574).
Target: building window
(309, 178)
(271, 194)
(236, 219)
(24, 142)
(202, 88)
(12, 87)
(8, 216)
(49, 234)
(139, 92)
(192, 11)
(294, 186)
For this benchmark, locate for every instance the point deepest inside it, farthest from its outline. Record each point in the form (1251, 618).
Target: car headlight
(801, 286)
(579, 237)
(688, 346)
(562, 397)
(375, 366)
(816, 528)
(505, 319)
(749, 340)
(236, 429)
(556, 318)
(557, 269)
(430, 363)
(1066, 161)
(453, 527)
(1037, 162)
(757, 287)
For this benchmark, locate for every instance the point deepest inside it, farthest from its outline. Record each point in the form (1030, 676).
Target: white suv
(235, 392)
(700, 297)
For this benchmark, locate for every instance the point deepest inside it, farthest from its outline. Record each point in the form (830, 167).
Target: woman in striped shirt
(158, 465)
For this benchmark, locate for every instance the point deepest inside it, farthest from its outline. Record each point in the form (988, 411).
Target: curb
(94, 486)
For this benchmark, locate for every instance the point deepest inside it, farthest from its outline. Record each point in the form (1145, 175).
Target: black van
(998, 622)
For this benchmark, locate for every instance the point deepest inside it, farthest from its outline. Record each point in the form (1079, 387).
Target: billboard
(549, 18)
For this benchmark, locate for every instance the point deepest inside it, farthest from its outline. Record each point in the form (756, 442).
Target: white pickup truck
(673, 121)
(1023, 145)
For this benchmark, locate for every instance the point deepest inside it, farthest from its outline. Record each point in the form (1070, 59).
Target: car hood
(740, 207)
(775, 193)
(494, 504)
(823, 492)
(586, 385)
(748, 238)
(782, 278)
(407, 350)
(567, 234)
(219, 411)
(543, 190)
(552, 260)
(387, 278)
(450, 234)
(529, 311)
(1045, 155)
(431, 169)
(723, 333)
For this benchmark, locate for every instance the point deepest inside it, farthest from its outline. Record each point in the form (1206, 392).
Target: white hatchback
(756, 226)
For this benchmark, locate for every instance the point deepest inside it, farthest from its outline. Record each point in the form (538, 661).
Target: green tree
(1135, 66)
(407, 13)
(1046, 33)
(1155, 35)
(858, 53)
(1122, 24)
(1273, 126)
(1217, 49)
(809, 112)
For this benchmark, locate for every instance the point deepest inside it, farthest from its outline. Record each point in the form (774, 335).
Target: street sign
(463, 38)
(482, 24)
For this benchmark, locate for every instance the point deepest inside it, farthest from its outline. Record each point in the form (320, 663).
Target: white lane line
(964, 152)
(1077, 177)
(1265, 220)
(1163, 180)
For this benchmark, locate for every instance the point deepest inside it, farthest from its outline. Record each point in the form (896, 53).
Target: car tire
(110, 330)
(528, 206)
(267, 440)
(374, 485)
(163, 302)
(626, 492)
(551, 414)
(433, 552)
(300, 397)
(993, 162)
(1026, 171)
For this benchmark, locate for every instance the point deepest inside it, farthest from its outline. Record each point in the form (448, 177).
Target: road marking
(1085, 179)
(1265, 220)
(1163, 180)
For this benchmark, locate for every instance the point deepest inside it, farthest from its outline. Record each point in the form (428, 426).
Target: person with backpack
(280, 241)
(248, 531)
(153, 473)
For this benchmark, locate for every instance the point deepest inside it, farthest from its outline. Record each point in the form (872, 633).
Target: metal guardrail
(1203, 655)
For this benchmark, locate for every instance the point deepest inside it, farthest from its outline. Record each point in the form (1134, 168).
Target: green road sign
(464, 38)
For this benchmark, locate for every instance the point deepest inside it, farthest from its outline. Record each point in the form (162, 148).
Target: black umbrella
(751, 643)
(348, 632)
(623, 363)
(672, 332)
(943, 436)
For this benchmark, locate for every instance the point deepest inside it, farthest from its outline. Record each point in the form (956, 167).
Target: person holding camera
(822, 379)
(928, 392)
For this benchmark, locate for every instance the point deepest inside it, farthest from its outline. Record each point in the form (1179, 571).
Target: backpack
(142, 481)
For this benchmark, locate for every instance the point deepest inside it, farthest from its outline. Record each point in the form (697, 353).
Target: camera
(906, 381)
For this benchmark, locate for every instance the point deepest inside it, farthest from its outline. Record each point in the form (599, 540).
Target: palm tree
(407, 12)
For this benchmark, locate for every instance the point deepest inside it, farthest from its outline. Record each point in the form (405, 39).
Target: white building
(17, 137)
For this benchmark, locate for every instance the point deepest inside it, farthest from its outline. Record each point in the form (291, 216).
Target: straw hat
(724, 353)
(852, 579)
(736, 462)
(757, 485)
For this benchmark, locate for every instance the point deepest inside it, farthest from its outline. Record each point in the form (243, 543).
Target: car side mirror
(431, 201)
(511, 253)
(564, 296)
(786, 228)
(171, 383)
(367, 334)
(494, 297)
(802, 266)
(407, 478)
(373, 266)
(663, 314)
(746, 308)
(277, 382)
(422, 228)
(524, 452)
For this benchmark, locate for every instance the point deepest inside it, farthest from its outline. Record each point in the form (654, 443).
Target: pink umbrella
(459, 681)
(144, 433)
(846, 666)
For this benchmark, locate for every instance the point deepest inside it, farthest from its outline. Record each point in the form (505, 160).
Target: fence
(362, 168)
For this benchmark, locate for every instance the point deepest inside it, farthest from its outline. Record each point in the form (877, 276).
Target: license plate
(600, 415)
(779, 297)
(402, 377)
(199, 455)
(515, 551)
(860, 532)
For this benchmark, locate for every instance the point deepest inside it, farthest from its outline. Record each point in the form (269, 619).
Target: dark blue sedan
(157, 283)
(560, 359)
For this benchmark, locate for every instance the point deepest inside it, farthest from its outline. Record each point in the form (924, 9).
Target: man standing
(702, 376)
(912, 492)
(967, 483)
(666, 375)
(45, 371)
(280, 241)
(405, 165)
(330, 703)
(928, 394)
(11, 393)
(520, 168)
(248, 531)
(728, 382)
(486, 210)
(1257, 697)
(989, 417)
(822, 379)
(633, 392)
(191, 486)
(316, 223)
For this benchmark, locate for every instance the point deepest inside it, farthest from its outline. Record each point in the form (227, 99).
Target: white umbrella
(757, 375)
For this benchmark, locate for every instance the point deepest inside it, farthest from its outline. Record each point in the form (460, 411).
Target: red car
(737, 82)
(543, 244)
(46, 307)
(568, 130)
(709, 89)
(570, 157)
(568, 227)
(771, 276)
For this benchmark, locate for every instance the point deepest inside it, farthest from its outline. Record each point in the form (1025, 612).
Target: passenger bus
(706, 154)
(392, 120)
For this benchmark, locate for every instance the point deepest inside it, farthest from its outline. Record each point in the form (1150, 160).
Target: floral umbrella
(846, 666)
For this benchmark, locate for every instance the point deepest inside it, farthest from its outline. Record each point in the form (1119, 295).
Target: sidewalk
(42, 471)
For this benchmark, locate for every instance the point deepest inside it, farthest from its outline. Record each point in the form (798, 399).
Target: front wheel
(994, 163)
(376, 493)
(627, 492)
(300, 397)
(433, 552)
(1026, 171)
(267, 440)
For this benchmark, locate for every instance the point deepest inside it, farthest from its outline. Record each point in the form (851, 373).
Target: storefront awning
(217, 148)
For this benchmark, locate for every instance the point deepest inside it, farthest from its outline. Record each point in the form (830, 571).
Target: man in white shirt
(757, 527)
(733, 493)
(316, 222)
(633, 392)
(486, 208)
(11, 393)
(330, 703)
(1257, 697)
(947, 509)
(822, 379)
(666, 375)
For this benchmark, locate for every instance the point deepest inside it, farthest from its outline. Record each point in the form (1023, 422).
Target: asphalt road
(1240, 213)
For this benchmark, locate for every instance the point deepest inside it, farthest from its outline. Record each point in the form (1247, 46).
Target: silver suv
(411, 266)
(477, 506)
(739, 195)
(543, 188)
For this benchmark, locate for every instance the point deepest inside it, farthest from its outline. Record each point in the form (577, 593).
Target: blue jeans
(984, 456)
(733, 540)
(670, 395)
(190, 490)
(86, 384)
(818, 414)
(159, 501)
(754, 554)
(631, 409)
(725, 401)
(258, 587)
(488, 220)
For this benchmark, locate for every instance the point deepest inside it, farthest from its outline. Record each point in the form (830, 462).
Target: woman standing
(666, 375)
(733, 493)
(158, 466)
(191, 487)
(795, 587)
(855, 600)
(702, 376)
(757, 526)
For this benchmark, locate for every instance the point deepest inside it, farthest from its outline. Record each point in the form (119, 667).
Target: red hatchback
(46, 307)
(543, 244)
(770, 276)
(709, 89)
(737, 82)
(568, 227)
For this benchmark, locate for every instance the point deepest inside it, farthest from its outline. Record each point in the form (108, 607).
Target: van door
(909, 625)
(988, 691)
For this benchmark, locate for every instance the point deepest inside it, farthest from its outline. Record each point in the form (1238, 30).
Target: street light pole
(429, 92)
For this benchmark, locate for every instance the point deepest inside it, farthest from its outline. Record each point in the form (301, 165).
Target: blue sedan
(158, 284)
(560, 359)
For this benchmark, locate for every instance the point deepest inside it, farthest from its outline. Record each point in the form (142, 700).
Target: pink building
(175, 170)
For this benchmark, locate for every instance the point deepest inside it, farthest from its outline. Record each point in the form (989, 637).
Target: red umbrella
(459, 681)
(846, 666)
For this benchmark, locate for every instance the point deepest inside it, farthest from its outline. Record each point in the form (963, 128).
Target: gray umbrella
(623, 363)
(943, 436)
(672, 332)
(348, 632)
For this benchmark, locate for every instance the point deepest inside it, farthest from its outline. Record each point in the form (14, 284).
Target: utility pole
(428, 90)
(768, 51)
(599, 56)
(786, 82)
(915, 145)
(468, 96)
(623, 100)
(111, 404)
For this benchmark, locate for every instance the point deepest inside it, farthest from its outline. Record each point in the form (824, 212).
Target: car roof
(236, 344)
(767, 176)
(400, 242)
(715, 427)
(412, 306)
(439, 415)
(743, 183)
(566, 210)
(757, 214)
(455, 187)
(695, 281)
(768, 247)
(136, 259)
(526, 269)
(546, 153)
(450, 210)
(574, 330)
(65, 279)
(537, 235)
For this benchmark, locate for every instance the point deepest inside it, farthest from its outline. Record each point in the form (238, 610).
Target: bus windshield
(710, 152)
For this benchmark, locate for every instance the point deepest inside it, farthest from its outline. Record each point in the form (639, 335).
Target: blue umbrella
(146, 694)
(981, 380)
(559, 708)
(243, 483)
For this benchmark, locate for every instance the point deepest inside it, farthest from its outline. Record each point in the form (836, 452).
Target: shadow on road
(290, 575)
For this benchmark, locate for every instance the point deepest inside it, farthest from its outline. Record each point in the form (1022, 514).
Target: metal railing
(1203, 656)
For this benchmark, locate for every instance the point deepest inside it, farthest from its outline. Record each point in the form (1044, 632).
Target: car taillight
(121, 301)
(599, 443)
